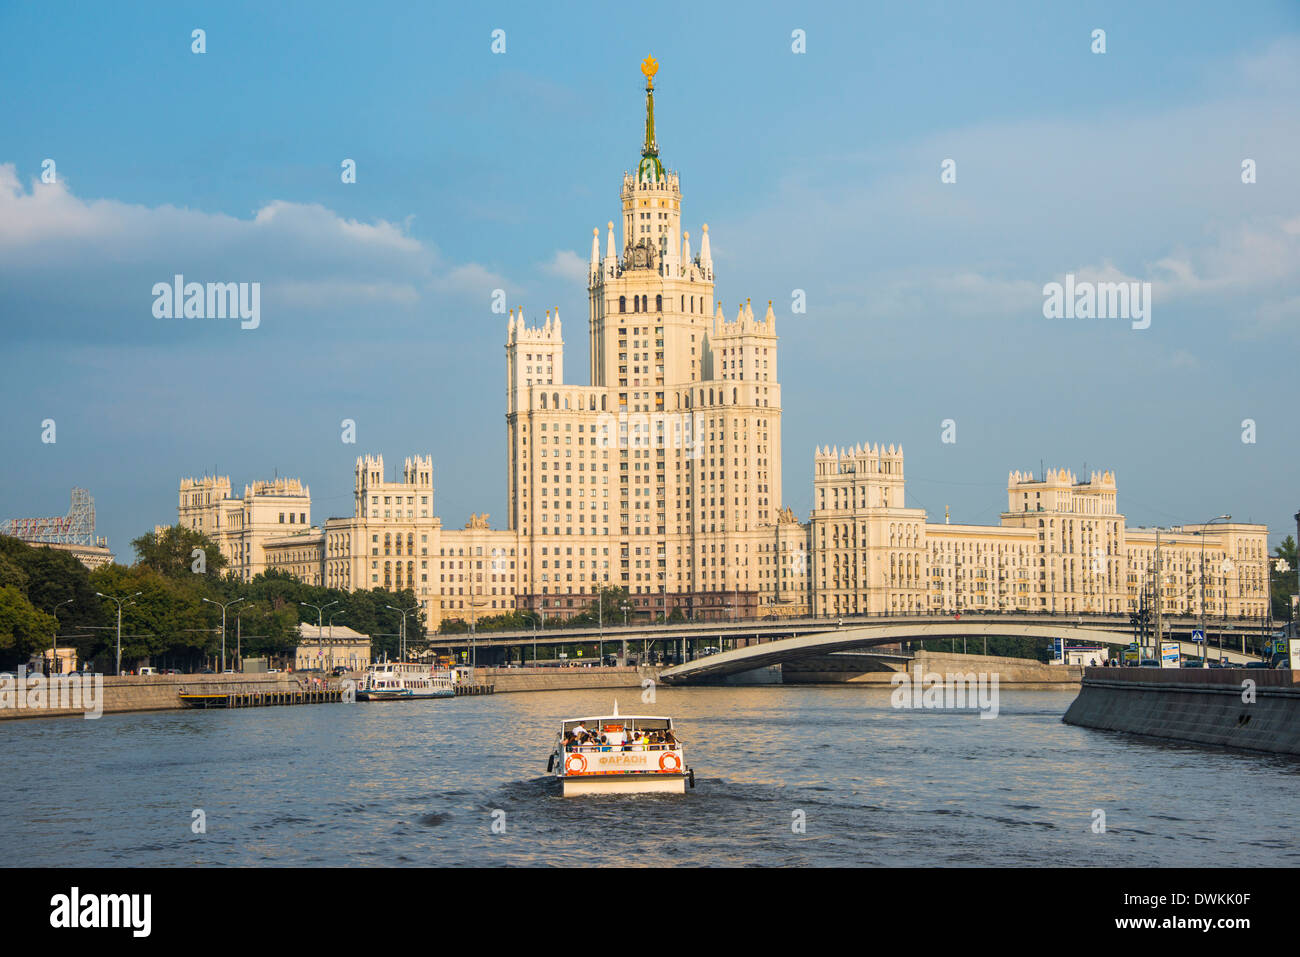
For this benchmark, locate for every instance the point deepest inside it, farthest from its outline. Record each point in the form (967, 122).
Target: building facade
(662, 475)
(242, 527)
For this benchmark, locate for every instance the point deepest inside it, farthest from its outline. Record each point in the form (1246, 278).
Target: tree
(1284, 583)
(171, 552)
(23, 628)
(47, 578)
(168, 618)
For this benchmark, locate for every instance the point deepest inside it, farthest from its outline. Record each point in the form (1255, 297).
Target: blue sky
(816, 171)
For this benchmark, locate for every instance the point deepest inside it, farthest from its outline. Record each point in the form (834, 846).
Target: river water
(786, 776)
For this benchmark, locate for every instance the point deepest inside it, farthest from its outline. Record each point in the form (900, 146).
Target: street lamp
(333, 615)
(118, 669)
(320, 625)
(1282, 566)
(223, 626)
(403, 612)
(1205, 638)
(54, 651)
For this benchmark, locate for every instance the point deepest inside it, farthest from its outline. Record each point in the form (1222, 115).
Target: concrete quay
(563, 679)
(1249, 709)
(859, 668)
(162, 692)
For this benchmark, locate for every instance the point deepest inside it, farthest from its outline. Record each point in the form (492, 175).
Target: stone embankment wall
(562, 679)
(158, 692)
(1196, 705)
(865, 669)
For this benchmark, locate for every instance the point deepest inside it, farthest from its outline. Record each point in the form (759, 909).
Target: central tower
(650, 283)
(663, 476)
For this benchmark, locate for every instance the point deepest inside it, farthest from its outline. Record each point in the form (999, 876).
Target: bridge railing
(1119, 621)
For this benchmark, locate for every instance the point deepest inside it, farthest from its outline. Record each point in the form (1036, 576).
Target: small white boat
(403, 680)
(619, 754)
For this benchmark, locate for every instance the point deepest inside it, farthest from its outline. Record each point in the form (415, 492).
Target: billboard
(1169, 654)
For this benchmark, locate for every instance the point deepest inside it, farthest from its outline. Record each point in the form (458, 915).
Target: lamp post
(320, 625)
(404, 612)
(223, 626)
(333, 615)
(54, 650)
(118, 669)
(1282, 567)
(1205, 639)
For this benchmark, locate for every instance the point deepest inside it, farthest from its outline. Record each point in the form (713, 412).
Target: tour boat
(620, 760)
(401, 680)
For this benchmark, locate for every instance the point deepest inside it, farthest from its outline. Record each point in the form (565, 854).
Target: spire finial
(650, 169)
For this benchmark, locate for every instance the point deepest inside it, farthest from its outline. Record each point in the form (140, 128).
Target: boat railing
(583, 748)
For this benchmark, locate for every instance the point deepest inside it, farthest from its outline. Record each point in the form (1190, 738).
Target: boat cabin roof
(599, 722)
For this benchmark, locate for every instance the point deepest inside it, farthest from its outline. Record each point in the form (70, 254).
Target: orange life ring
(575, 764)
(665, 758)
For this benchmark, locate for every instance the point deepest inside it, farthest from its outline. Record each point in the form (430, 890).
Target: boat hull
(401, 695)
(576, 785)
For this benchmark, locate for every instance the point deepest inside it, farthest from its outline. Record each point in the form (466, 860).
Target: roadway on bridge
(781, 650)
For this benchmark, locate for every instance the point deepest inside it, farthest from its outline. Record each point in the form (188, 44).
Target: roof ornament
(650, 169)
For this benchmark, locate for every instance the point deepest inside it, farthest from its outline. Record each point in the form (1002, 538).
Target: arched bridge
(718, 666)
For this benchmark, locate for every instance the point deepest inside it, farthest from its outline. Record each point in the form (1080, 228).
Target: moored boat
(404, 680)
(619, 754)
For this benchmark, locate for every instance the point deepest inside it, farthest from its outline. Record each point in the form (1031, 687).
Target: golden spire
(650, 66)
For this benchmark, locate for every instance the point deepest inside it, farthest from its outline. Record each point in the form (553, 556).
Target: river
(786, 776)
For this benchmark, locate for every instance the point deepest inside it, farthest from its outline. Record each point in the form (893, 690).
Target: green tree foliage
(47, 578)
(167, 620)
(1284, 583)
(23, 628)
(508, 621)
(171, 552)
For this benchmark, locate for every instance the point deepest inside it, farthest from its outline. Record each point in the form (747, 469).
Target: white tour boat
(401, 680)
(619, 754)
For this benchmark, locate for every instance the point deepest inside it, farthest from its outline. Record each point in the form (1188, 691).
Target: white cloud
(567, 265)
(1127, 193)
(59, 252)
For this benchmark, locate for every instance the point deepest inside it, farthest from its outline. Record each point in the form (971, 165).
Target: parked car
(148, 671)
